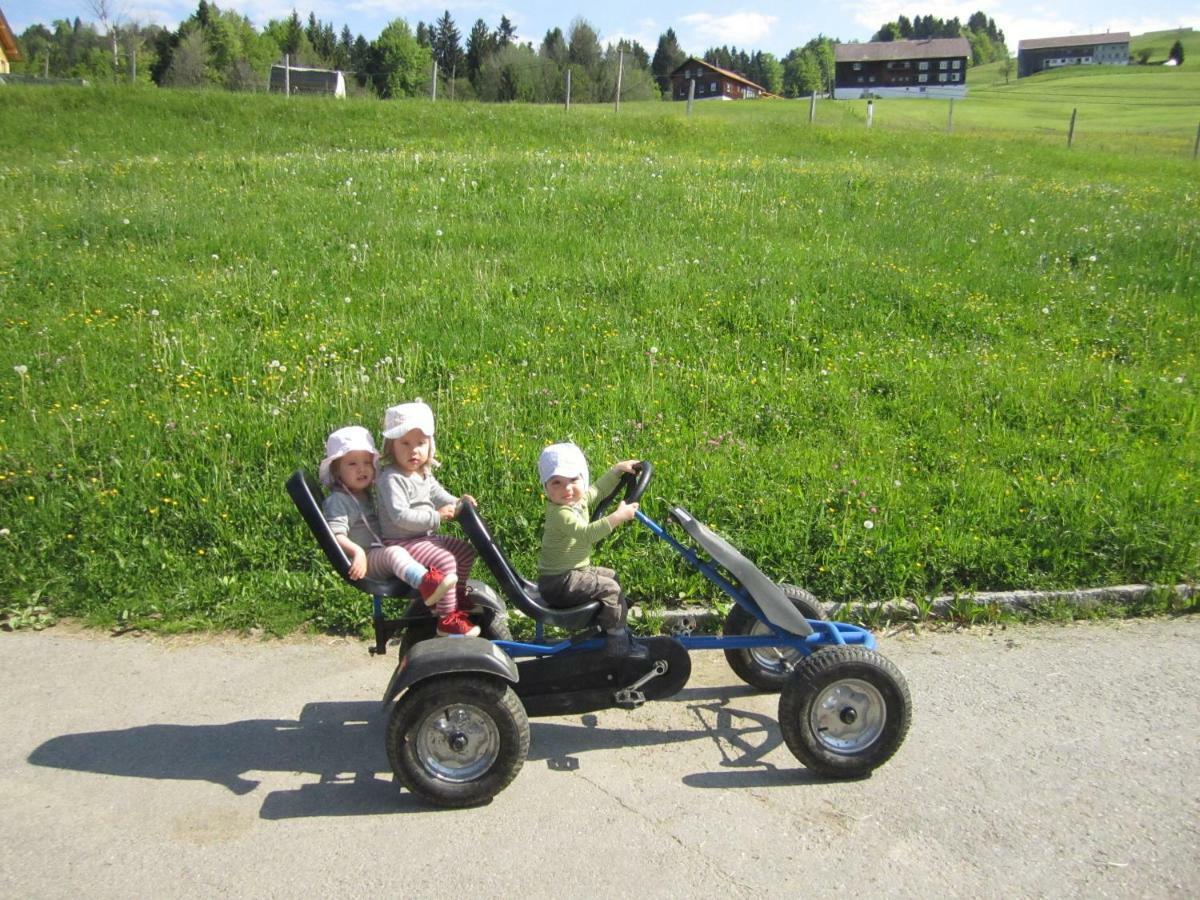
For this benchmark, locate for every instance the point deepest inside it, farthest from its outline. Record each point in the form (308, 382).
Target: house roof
(732, 76)
(8, 40)
(1074, 40)
(931, 48)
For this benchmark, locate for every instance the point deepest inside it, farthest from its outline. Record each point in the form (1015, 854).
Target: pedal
(632, 697)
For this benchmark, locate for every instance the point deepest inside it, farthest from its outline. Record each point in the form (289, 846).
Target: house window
(942, 64)
(941, 76)
(954, 76)
(712, 87)
(922, 78)
(923, 65)
(858, 67)
(956, 64)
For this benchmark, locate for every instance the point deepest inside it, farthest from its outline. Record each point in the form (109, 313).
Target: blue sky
(771, 25)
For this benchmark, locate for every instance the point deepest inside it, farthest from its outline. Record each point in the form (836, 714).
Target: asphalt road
(1048, 761)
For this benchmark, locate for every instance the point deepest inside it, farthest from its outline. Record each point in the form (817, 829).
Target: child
(412, 505)
(565, 574)
(348, 470)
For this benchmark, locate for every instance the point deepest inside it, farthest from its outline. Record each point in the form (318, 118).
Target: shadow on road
(343, 745)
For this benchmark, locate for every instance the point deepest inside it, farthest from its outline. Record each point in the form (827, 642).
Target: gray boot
(621, 645)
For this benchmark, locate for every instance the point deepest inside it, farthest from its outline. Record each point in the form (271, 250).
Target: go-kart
(458, 731)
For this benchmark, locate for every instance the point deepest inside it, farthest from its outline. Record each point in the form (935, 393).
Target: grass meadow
(886, 363)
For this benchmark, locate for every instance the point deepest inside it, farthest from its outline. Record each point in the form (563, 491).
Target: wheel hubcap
(458, 743)
(779, 660)
(848, 716)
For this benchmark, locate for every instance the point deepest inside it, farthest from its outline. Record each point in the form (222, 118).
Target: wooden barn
(936, 67)
(712, 83)
(298, 80)
(1040, 54)
(9, 52)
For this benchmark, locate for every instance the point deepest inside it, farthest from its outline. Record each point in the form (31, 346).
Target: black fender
(443, 656)
(482, 595)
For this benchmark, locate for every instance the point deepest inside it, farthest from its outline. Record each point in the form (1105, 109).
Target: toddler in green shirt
(566, 576)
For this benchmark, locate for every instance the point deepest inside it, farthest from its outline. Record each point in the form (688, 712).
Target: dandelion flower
(22, 371)
(868, 524)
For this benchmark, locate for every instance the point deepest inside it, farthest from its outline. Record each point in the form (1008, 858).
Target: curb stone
(702, 618)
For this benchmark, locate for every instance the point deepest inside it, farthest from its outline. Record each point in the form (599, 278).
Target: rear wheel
(767, 668)
(458, 740)
(844, 711)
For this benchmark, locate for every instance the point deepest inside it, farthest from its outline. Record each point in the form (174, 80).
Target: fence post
(568, 106)
(1071, 131)
(812, 107)
(950, 118)
(620, 72)
(433, 87)
(870, 112)
(1196, 149)
(287, 75)
(691, 94)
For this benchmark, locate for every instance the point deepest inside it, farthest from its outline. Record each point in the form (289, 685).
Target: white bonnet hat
(400, 420)
(563, 459)
(346, 440)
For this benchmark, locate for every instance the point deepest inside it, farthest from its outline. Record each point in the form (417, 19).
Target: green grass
(885, 363)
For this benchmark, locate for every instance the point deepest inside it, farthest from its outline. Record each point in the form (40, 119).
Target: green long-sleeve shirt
(568, 536)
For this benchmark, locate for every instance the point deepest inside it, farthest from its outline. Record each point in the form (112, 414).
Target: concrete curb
(702, 618)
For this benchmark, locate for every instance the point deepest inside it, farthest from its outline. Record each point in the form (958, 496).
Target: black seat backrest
(521, 592)
(307, 494)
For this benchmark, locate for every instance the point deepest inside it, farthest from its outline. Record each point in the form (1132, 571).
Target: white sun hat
(566, 460)
(400, 420)
(350, 439)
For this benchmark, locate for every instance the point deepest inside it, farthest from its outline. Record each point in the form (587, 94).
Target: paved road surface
(1052, 761)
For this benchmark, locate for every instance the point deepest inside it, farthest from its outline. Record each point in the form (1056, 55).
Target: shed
(300, 80)
(713, 82)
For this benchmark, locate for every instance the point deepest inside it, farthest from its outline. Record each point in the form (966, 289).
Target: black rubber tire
(845, 711)
(484, 713)
(767, 668)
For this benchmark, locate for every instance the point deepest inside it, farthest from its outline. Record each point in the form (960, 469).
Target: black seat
(307, 494)
(522, 593)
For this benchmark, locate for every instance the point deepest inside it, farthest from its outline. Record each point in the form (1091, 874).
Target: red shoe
(457, 625)
(434, 586)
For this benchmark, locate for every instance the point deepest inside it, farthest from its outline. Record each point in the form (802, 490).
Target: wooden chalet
(9, 52)
(1040, 54)
(712, 83)
(936, 67)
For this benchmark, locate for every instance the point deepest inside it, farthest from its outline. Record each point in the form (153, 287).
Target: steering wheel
(632, 483)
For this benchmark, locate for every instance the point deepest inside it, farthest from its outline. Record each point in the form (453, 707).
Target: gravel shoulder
(1047, 761)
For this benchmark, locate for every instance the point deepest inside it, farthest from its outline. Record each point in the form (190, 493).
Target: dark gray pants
(580, 586)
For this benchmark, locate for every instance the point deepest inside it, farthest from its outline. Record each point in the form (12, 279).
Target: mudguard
(442, 656)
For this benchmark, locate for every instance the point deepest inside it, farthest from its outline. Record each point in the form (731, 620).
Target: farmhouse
(712, 83)
(307, 81)
(1039, 54)
(8, 46)
(936, 67)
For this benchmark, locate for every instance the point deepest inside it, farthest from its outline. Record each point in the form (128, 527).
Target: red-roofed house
(936, 67)
(712, 83)
(8, 45)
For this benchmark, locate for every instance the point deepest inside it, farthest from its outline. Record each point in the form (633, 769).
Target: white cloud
(739, 29)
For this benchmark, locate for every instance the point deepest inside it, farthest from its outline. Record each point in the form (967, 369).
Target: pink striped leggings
(438, 551)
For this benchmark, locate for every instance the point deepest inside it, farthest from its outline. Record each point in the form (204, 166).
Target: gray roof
(1074, 40)
(933, 48)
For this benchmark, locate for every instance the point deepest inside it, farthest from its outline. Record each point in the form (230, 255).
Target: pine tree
(446, 43)
(668, 57)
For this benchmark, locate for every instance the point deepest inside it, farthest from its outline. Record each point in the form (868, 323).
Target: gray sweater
(357, 520)
(408, 504)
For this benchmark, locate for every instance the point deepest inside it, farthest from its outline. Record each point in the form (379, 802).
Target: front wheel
(458, 740)
(844, 711)
(767, 668)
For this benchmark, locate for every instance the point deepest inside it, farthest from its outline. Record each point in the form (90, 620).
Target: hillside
(886, 362)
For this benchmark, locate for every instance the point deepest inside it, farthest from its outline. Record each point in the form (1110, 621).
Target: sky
(773, 26)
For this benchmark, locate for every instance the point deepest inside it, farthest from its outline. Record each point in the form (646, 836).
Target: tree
(554, 47)
(1006, 67)
(583, 46)
(668, 57)
(1176, 52)
(480, 45)
(446, 44)
(506, 32)
(400, 65)
(189, 62)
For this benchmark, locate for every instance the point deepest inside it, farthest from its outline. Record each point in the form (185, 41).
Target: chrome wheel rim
(776, 660)
(458, 743)
(848, 716)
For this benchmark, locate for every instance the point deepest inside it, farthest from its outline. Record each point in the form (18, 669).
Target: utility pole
(620, 71)
(568, 104)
